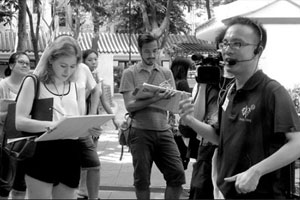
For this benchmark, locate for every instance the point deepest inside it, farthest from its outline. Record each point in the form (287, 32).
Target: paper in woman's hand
(74, 127)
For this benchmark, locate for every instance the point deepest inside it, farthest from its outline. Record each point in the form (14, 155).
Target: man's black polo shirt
(253, 121)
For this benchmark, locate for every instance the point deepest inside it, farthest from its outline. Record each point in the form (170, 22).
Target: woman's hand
(116, 123)
(95, 132)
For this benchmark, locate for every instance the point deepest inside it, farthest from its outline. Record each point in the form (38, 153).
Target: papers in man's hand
(172, 104)
(74, 127)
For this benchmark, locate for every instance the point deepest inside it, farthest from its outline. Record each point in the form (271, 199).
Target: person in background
(202, 186)
(106, 103)
(90, 163)
(257, 131)
(179, 68)
(150, 138)
(187, 146)
(18, 67)
(54, 169)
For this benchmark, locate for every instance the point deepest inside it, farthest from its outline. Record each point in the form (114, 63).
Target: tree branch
(145, 16)
(157, 33)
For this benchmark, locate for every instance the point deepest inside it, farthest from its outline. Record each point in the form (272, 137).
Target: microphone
(232, 61)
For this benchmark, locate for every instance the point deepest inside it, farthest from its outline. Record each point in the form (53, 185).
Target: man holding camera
(258, 128)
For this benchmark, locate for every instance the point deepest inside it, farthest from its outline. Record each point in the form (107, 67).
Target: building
(281, 18)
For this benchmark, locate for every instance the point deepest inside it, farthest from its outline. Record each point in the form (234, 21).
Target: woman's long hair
(180, 67)
(61, 46)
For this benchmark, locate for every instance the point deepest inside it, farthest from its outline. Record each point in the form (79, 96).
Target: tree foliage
(130, 19)
(8, 10)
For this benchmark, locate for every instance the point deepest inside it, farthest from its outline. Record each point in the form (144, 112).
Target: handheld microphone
(232, 61)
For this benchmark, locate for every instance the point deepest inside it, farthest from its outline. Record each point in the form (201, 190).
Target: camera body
(208, 68)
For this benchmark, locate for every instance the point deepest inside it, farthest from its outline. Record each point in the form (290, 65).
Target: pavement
(116, 178)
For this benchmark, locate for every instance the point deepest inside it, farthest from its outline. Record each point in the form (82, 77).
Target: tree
(35, 33)
(8, 9)
(22, 35)
(99, 12)
(144, 16)
(158, 17)
(209, 5)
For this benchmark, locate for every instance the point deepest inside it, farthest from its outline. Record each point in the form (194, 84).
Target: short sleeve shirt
(149, 118)
(85, 83)
(253, 121)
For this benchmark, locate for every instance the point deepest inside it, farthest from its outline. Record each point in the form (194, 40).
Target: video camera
(208, 68)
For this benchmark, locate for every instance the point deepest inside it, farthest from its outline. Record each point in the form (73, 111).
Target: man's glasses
(22, 62)
(234, 45)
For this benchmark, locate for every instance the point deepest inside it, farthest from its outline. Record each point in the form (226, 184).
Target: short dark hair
(220, 36)
(12, 60)
(145, 39)
(180, 67)
(255, 25)
(87, 52)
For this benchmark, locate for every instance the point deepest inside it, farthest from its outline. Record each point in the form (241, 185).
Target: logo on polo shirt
(246, 111)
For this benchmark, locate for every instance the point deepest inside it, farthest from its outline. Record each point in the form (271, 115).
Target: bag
(41, 110)
(22, 149)
(124, 133)
(7, 168)
(187, 131)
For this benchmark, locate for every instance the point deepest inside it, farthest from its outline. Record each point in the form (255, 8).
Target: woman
(18, 67)
(54, 170)
(179, 68)
(90, 175)
(90, 58)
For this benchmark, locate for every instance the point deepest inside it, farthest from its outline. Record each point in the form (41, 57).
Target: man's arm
(247, 181)
(133, 104)
(186, 111)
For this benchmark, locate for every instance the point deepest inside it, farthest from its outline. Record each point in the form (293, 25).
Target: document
(171, 104)
(74, 126)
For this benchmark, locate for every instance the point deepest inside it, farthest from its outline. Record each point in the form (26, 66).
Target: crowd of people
(244, 128)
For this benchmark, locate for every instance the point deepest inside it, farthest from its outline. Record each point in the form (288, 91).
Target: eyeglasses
(22, 62)
(234, 45)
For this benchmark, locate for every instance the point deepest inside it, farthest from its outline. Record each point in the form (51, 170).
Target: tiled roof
(111, 43)
(8, 42)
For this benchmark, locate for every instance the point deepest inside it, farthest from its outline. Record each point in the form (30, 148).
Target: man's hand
(186, 110)
(245, 182)
(164, 94)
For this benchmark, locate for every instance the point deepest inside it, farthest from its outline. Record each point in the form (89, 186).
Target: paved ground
(117, 176)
